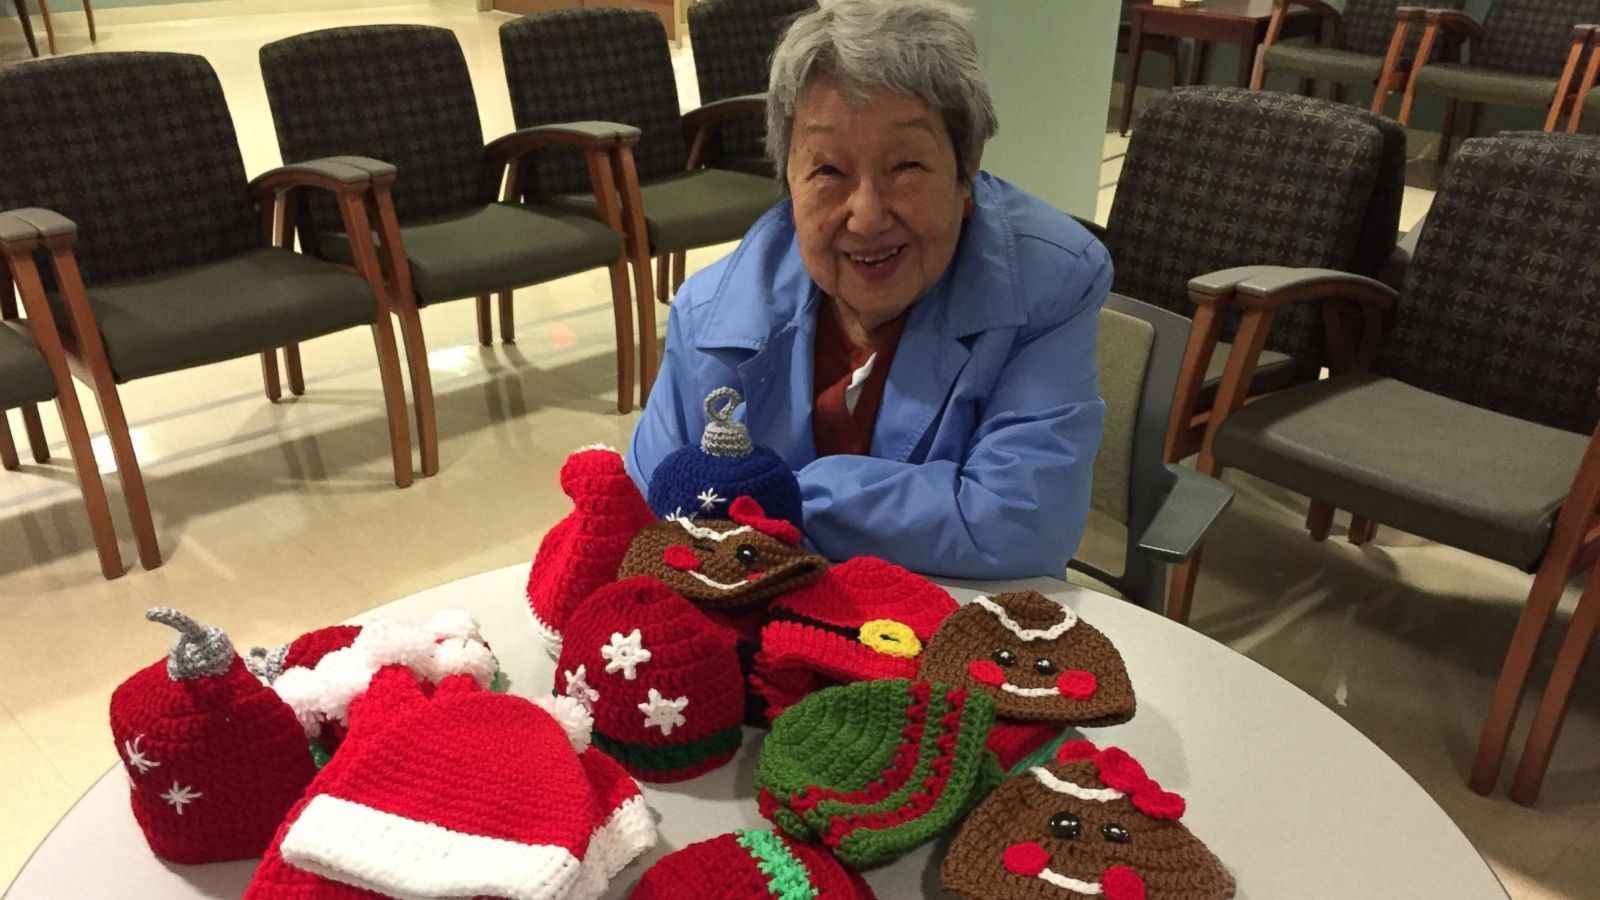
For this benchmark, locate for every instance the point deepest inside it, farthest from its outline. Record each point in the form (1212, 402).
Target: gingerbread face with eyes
(1035, 658)
(724, 565)
(1090, 824)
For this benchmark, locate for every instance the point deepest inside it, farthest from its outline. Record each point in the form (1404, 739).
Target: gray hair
(918, 47)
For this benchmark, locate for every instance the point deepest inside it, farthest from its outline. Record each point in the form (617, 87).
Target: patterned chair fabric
(733, 44)
(1531, 37)
(1501, 307)
(1367, 26)
(138, 149)
(399, 93)
(1222, 177)
(597, 63)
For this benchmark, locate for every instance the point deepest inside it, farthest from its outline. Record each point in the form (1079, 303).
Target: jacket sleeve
(1016, 506)
(674, 401)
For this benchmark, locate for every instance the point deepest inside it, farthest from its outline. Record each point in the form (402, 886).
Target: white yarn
(597, 447)
(573, 717)
(456, 623)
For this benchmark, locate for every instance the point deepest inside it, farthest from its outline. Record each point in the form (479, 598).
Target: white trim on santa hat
(1069, 619)
(405, 858)
(630, 831)
(1093, 795)
(552, 637)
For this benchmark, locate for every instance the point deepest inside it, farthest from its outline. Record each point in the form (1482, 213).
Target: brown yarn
(972, 634)
(781, 566)
(1172, 863)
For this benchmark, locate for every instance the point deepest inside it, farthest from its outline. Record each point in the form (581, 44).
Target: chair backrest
(1140, 350)
(1532, 37)
(597, 63)
(1222, 177)
(1367, 26)
(1501, 306)
(138, 149)
(733, 42)
(398, 93)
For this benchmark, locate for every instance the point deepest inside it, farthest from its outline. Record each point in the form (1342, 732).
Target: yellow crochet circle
(890, 637)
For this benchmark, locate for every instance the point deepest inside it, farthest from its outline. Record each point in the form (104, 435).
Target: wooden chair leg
(639, 250)
(1180, 591)
(133, 494)
(27, 26)
(35, 428)
(485, 323)
(663, 276)
(1362, 530)
(394, 400)
(88, 13)
(269, 375)
(421, 385)
(8, 447)
(1319, 520)
(680, 267)
(1557, 692)
(49, 26)
(508, 318)
(81, 450)
(1447, 131)
(291, 363)
(622, 311)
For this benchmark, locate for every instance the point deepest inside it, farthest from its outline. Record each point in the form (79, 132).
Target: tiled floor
(278, 518)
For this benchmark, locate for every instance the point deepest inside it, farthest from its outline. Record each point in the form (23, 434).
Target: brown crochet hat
(724, 565)
(1035, 657)
(1090, 823)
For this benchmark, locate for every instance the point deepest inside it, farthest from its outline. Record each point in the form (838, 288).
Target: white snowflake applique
(180, 797)
(708, 499)
(136, 757)
(659, 712)
(578, 688)
(625, 654)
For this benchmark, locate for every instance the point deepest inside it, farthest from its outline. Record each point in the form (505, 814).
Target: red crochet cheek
(1028, 859)
(755, 576)
(681, 558)
(984, 671)
(1076, 684)
(1122, 883)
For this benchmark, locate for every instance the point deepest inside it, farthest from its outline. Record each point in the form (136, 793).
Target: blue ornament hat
(702, 482)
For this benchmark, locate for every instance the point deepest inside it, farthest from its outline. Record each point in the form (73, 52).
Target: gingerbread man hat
(1035, 657)
(1092, 824)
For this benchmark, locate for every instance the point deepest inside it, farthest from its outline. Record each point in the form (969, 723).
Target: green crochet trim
(860, 748)
(1044, 755)
(667, 759)
(787, 877)
(319, 754)
(500, 683)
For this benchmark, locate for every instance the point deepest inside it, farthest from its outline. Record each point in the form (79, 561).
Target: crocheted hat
(583, 551)
(701, 482)
(662, 681)
(1035, 657)
(863, 619)
(750, 865)
(1090, 823)
(305, 651)
(724, 565)
(214, 758)
(875, 768)
(1016, 743)
(468, 793)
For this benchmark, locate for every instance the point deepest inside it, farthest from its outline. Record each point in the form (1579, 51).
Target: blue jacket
(985, 440)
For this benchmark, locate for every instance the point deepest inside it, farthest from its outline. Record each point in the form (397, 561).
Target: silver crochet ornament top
(723, 436)
(199, 651)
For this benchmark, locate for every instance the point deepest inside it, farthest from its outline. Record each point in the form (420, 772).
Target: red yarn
(1026, 859)
(1072, 750)
(1122, 883)
(1077, 684)
(681, 558)
(746, 511)
(986, 672)
(1122, 772)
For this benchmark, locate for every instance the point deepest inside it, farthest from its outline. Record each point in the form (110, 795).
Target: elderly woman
(915, 337)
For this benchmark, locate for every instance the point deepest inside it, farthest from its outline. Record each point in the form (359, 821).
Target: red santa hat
(469, 793)
(583, 551)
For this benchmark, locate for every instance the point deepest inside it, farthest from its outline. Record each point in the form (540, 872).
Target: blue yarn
(681, 479)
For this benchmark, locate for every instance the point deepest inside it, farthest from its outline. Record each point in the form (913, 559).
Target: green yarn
(666, 759)
(787, 877)
(1044, 755)
(501, 683)
(319, 754)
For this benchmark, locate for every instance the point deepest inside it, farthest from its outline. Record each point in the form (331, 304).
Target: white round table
(1295, 802)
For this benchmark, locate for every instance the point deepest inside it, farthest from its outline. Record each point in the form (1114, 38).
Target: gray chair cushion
(1438, 468)
(256, 301)
(24, 375)
(1330, 63)
(1465, 81)
(495, 247)
(695, 209)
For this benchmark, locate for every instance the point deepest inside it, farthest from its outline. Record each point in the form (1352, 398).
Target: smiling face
(1035, 658)
(878, 201)
(1058, 832)
(719, 565)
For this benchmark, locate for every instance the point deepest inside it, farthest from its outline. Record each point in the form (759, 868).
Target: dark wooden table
(1241, 22)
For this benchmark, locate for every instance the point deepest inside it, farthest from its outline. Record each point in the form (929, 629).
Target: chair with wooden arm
(1586, 100)
(670, 202)
(1371, 43)
(1524, 54)
(1464, 408)
(733, 44)
(174, 266)
(1219, 178)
